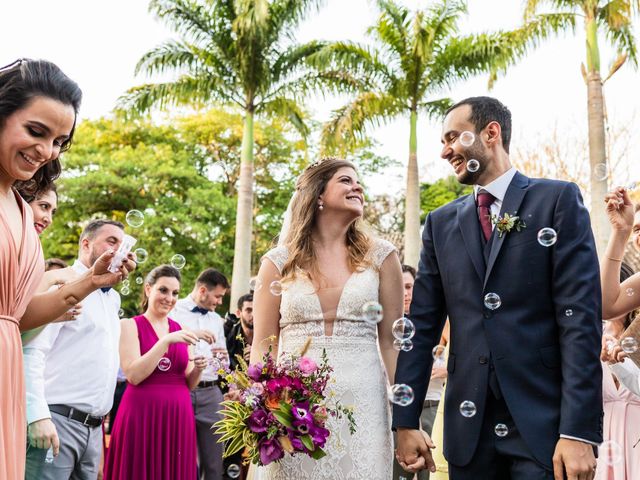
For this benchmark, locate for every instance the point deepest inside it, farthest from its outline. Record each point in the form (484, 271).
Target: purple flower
(318, 435)
(301, 411)
(255, 371)
(270, 450)
(257, 421)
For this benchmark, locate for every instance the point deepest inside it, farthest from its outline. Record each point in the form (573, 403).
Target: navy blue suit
(543, 341)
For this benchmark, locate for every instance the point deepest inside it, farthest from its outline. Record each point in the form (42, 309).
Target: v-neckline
(337, 308)
(154, 330)
(23, 221)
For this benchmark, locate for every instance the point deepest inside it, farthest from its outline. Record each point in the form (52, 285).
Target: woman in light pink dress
(38, 108)
(619, 455)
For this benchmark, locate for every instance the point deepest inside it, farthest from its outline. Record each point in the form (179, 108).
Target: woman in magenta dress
(154, 435)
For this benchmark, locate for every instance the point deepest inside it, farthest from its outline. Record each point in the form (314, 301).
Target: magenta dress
(154, 435)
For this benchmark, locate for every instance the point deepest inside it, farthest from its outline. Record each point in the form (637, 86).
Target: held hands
(102, 277)
(414, 450)
(574, 458)
(619, 210)
(42, 434)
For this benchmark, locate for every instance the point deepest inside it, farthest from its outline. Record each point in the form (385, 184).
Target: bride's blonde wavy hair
(304, 210)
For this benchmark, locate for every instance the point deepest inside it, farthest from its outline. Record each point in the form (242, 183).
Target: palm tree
(613, 19)
(234, 52)
(415, 59)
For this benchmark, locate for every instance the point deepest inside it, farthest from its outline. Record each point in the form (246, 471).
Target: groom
(525, 318)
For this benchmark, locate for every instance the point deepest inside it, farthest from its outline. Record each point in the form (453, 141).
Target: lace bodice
(300, 303)
(358, 378)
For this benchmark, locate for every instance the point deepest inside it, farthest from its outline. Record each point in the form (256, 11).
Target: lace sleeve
(278, 256)
(380, 251)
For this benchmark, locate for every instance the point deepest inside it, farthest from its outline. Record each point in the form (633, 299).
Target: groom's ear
(493, 132)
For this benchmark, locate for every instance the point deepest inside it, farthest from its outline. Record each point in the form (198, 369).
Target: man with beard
(513, 266)
(70, 370)
(240, 336)
(196, 312)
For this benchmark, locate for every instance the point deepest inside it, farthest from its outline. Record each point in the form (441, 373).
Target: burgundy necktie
(485, 200)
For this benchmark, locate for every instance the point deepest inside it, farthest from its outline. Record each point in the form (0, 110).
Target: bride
(315, 284)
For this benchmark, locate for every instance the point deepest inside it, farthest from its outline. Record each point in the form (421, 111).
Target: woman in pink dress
(618, 456)
(38, 109)
(154, 436)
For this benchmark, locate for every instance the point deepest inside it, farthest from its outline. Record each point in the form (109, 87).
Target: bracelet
(615, 259)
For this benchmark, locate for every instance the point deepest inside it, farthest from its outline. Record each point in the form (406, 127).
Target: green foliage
(183, 178)
(439, 193)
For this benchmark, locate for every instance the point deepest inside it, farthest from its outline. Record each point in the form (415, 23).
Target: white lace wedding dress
(360, 379)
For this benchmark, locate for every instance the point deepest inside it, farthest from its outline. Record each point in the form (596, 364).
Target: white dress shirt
(497, 188)
(75, 363)
(183, 314)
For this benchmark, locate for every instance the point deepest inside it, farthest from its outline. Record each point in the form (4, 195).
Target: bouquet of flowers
(279, 407)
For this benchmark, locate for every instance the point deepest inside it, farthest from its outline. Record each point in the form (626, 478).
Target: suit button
(486, 314)
(482, 359)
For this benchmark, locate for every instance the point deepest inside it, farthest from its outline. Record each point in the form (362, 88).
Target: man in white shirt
(70, 371)
(196, 312)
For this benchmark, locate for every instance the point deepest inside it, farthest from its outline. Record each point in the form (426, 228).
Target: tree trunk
(244, 217)
(597, 140)
(412, 200)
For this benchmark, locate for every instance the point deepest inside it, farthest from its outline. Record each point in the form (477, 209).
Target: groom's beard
(475, 152)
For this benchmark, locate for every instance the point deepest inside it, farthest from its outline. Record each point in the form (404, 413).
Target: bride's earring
(321, 206)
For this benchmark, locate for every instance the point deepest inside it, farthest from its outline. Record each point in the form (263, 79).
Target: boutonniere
(506, 223)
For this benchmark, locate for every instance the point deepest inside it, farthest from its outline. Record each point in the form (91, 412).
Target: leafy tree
(613, 19)
(173, 175)
(439, 193)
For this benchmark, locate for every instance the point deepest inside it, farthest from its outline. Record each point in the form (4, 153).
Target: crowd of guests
(155, 376)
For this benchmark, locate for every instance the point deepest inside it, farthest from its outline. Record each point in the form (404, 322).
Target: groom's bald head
(485, 110)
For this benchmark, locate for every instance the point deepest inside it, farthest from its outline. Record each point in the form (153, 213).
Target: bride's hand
(619, 210)
(414, 450)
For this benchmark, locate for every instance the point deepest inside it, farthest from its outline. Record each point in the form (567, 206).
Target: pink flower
(307, 365)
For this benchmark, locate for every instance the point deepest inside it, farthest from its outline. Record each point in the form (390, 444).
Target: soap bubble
(492, 301)
(134, 218)
(178, 261)
(473, 165)
(141, 255)
(547, 236)
(468, 408)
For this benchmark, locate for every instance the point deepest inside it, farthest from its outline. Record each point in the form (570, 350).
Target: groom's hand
(575, 458)
(414, 450)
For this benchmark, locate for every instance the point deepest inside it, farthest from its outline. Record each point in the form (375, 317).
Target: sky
(98, 44)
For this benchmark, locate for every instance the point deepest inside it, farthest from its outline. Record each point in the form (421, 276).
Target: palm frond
(294, 58)
(285, 108)
(185, 91)
(392, 27)
(615, 17)
(347, 124)
(186, 17)
(436, 109)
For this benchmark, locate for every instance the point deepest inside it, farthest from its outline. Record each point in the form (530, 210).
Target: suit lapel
(512, 200)
(470, 228)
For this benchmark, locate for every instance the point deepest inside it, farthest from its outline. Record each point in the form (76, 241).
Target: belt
(77, 415)
(207, 384)
(9, 319)
(431, 403)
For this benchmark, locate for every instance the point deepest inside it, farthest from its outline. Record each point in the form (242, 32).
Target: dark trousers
(117, 398)
(500, 458)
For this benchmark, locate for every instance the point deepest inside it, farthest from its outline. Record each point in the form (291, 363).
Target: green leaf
(307, 441)
(283, 417)
(318, 453)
